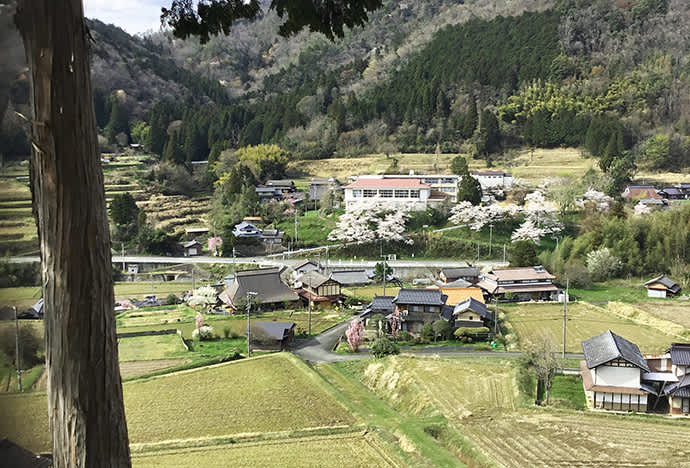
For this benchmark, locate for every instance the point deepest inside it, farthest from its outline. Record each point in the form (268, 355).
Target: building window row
(386, 193)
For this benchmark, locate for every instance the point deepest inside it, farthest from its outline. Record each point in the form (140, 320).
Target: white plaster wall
(618, 376)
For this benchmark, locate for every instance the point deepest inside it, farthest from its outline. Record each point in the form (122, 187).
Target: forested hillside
(476, 78)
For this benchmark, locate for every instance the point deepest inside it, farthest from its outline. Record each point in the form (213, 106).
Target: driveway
(318, 349)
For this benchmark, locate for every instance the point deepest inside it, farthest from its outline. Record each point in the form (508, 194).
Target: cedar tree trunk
(84, 389)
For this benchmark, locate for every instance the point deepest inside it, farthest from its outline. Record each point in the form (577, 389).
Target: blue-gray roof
(432, 297)
(274, 330)
(475, 306)
(680, 354)
(608, 346)
(382, 303)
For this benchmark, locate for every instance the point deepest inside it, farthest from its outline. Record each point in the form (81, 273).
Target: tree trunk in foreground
(84, 389)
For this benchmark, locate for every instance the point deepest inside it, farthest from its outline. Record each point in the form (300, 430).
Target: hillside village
(455, 235)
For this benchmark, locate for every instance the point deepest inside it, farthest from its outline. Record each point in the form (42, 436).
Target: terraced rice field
(146, 348)
(552, 439)
(531, 321)
(455, 388)
(674, 311)
(312, 452)
(134, 368)
(266, 394)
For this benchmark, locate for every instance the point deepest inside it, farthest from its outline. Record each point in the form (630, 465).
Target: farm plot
(552, 439)
(146, 348)
(455, 388)
(272, 393)
(561, 162)
(673, 311)
(530, 321)
(327, 451)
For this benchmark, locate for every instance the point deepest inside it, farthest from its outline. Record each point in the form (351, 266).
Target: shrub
(482, 347)
(204, 333)
(383, 347)
(30, 345)
(404, 336)
(441, 329)
(465, 332)
(427, 331)
(171, 299)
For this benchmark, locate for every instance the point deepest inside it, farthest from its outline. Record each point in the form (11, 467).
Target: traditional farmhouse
(192, 248)
(305, 267)
(281, 185)
(351, 277)
(662, 286)
(469, 274)
(471, 313)
(612, 374)
(245, 229)
(380, 305)
(418, 307)
(319, 186)
(673, 193)
(272, 336)
(640, 191)
(491, 180)
(399, 193)
(321, 290)
(524, 284)
(671, 377)
(268, 194)
(272, 293)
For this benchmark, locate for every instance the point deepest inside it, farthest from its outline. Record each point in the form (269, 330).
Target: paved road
(273, 261)
(318, 349)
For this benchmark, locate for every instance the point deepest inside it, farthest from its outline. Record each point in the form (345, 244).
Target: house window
(471, 318)
(414, 193)
(402, 193)
(448, 181)
(431, 181)
(369, 193)
(414, 308)
(449, 189)
(386, 193)
(686, 405)
(357, 193)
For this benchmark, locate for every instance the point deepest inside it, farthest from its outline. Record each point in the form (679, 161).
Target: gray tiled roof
(274, 330)
(351, 277)
(382, 303)
(475, 306)
(666, 281)
(458, 272)
(313, 279)
(458, 283)
(608, 346)
(680, 354)
(420, 297)
(266, 282)
(680, 388)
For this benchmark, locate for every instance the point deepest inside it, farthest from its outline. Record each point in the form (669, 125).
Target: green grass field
(614, 290)
(567, 392)
(530, 321)
(312, 228)
(144, 348)
(266, 394)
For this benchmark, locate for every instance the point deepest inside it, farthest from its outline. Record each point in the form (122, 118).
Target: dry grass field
(266, 394)
(677, 312)
(360, 451)
(547, 439)
(529, 321)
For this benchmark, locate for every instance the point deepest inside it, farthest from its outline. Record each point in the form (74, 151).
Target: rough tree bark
(84, 388)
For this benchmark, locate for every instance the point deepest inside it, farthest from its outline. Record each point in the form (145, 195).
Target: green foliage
(655, 152)
(140, 132)
(463, 332)
(470, 121)
(19, 274)
(383, 347)
(123, 209)
(119, 119)
(489, 137)
(30, 345)
(157, 241)
(523, 253)
(441, 329)
(266, 161)
(470, 190)
(379, 270)
(427, 331)
(458, 165)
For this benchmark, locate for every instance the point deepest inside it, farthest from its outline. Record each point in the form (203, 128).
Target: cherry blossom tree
(641, 209)
(370, 222)
(395, 322)
(595, 199)
(355, 335)
(204, 297)
(475, 216)
(540, 218)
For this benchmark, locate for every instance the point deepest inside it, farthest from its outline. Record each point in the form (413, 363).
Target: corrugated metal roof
(420, 296)
(608, 346)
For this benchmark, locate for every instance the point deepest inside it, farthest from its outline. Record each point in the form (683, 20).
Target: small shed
(192, 248)
(272, 336)
(662, 286)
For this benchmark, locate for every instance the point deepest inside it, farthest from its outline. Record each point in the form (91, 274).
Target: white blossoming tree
(370, 223)
(476, 216)
(641, 209)
(602, 264)
(204, 297)
(595, 199)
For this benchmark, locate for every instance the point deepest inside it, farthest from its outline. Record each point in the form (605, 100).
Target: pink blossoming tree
(355, 335)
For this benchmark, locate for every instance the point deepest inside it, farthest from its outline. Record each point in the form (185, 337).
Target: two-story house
(469, 274)
(522, 284)
(399, 193)
(612, 374)
(319, 289)
(678, 393)
(418, 307)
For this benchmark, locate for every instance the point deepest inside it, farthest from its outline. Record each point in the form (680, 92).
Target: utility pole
(193, 278)
(122, 244)
(233, 260)
(495, 315)
(296, 223)
(504, 253)
(309, 301)
(385, 267)
(477, 250)
(491, 236)
(565, 314)
(16, 350)
(250, 295)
